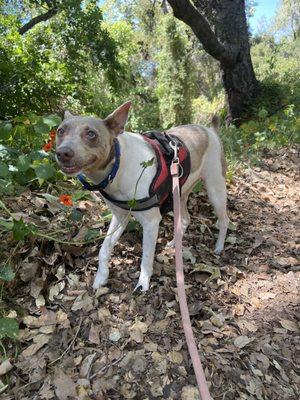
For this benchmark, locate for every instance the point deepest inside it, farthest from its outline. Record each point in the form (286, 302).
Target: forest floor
(116, 344)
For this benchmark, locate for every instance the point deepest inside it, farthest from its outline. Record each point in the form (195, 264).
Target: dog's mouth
(76, 169)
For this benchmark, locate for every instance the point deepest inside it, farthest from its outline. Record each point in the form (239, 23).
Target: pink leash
(198, 369)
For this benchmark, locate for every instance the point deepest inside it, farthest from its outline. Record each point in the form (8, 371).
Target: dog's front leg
(115, 230)
(149, 220)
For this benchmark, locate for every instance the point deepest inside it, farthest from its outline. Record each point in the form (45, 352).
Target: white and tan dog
(85, 145)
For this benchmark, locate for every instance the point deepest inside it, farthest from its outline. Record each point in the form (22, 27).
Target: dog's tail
(215, 121)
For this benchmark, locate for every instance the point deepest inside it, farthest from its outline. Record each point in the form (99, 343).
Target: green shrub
(23, 161)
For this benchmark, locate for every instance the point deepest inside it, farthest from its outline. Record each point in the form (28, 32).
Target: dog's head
(83, 144)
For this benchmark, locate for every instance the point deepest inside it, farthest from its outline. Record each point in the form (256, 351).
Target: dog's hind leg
(150, 220)
(216, 189)
(115, 230)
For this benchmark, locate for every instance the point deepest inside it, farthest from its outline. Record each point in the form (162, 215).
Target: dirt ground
(117, 344)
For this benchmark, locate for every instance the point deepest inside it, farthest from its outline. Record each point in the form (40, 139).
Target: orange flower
(66, 200)
(52, 135)
(48, 146)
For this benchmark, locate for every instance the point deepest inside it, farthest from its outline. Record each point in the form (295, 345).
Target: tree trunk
(239, 79)
(241, 87)
(221, 27)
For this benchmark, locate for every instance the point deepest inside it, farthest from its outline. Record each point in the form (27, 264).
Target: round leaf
(23, 163)
(9, 328)
(44, 171)
(76, 215)
(6, 273)
(4, 171)
(40, 127)
(52, 120)
(5, 130)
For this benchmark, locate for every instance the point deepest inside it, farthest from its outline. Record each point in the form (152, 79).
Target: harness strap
(160, 191)
(141, 204)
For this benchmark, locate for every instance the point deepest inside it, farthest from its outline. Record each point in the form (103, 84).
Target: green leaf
(198, 187)
(91, 234)
(148, 163)
(25, 177)
(8, 225)
(23, 163)
(132, 226)
(5, 130)
(20, 229)
(81, 194)
(76, 215)
(107, 215)
(2, 205)
(44, 171)
(4, 171)
(52, 120)
(132, 203)
(40, 127)
(6, 273)
(9, 328)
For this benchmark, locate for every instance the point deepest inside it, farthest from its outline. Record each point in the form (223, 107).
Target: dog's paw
(143, 283)
(218, 250)
(100, 280)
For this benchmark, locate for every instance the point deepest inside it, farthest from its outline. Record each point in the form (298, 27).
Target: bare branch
(186, 12)
(36, 20)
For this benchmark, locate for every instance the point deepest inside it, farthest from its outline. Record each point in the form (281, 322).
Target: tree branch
(186, 12)
(36, 20)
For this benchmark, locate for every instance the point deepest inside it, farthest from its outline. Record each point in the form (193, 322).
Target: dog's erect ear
(116, 121)
(68, 115)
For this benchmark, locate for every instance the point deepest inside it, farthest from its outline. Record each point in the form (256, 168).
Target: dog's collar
(110, 177)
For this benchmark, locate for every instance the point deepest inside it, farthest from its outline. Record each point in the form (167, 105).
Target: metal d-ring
(181, 170)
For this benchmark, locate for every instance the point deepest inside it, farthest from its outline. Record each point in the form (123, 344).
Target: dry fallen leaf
(242, 341)
(190, 393)
(175, 357)
(289, 325)
(56, 289)
(83, 302)
(137, 331)
(39, 342)
(94, 334)
(87, 365)
(5, 367)
(187, 255)
(239, 309)
(115, 335)
(64, 385)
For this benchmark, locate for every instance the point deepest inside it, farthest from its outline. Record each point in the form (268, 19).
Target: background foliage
(90, 58)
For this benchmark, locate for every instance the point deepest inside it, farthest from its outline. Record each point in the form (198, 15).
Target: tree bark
(221, 27)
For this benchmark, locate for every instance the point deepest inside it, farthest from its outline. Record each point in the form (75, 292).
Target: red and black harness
(160, 191)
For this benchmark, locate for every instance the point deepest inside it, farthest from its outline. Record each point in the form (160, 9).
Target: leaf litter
(116, 344)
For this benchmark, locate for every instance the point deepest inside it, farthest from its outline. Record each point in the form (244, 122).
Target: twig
(70, 345)
(107, 366)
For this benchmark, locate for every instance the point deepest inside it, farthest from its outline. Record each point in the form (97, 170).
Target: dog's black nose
(64, 154)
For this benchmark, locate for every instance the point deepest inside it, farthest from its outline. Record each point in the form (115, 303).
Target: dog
(85, 145)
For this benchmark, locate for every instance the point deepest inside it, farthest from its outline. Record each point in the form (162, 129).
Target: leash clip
(174, 146)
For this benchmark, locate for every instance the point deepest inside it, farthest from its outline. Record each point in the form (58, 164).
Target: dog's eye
(91, 134)
(60, 131)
